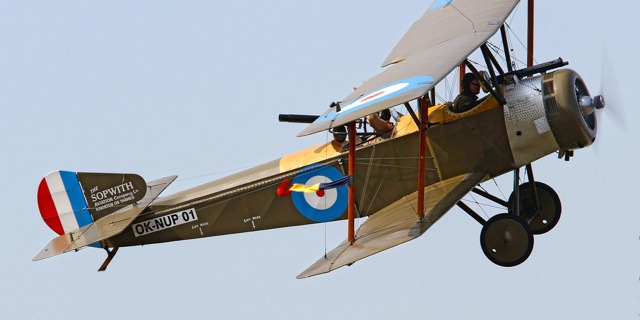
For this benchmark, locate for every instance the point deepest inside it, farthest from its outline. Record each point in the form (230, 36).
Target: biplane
(400, 181)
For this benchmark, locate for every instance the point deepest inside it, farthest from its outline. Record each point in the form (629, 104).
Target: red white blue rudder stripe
(61, 201)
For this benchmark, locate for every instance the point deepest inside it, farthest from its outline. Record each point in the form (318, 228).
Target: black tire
(543, 220)
(506, 240)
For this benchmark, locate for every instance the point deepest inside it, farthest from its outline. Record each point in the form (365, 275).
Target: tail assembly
(86, 208)
(64, 197)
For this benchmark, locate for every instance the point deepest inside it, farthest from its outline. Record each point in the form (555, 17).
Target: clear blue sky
(194, 88)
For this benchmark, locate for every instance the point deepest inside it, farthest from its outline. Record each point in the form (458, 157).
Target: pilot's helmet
(340, 133)
(468, 79)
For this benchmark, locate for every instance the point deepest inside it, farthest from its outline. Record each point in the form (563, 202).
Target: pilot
(468, 98)
(381, 123)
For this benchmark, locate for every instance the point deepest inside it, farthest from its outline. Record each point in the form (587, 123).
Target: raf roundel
(377, 95)
(325, 205)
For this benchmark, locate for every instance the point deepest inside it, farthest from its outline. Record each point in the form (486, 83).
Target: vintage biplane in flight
(402, 180)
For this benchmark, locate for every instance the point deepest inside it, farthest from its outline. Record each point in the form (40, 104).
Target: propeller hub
(586, 104)
(598, 102)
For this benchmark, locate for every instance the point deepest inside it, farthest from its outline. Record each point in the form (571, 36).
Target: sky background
(194, 88)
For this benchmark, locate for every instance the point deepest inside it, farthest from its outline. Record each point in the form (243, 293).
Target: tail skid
(106, 226)
(110, 255)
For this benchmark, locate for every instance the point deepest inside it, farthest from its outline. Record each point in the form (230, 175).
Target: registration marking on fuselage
(164, 222)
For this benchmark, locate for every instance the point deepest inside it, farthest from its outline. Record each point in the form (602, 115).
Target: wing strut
(412, 113)
(530, 34)
(491, 62)
(532, 181)
(352, 190)
(424, 106)
(505, 45)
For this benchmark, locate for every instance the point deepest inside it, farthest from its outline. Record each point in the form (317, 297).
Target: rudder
(70, 200)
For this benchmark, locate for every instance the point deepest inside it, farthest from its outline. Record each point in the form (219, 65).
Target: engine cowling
(570, 109)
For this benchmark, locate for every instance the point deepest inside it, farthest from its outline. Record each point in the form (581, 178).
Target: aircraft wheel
(543, 219)
(506, 240)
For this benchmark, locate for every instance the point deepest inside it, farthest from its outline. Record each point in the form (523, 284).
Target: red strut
(352, 190)
(424, 109)
(530, 34)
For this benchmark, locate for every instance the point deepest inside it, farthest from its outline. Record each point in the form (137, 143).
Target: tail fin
(71, 200)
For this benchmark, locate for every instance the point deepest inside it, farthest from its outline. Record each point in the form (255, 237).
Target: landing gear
(541, 216)
(533, 208)
(506, 240)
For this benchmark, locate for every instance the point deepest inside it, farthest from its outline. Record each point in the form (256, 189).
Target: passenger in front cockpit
(468, 98)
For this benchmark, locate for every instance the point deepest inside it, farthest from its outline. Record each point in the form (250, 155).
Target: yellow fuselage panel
(442, 114)
(311, 155)
(404, 126)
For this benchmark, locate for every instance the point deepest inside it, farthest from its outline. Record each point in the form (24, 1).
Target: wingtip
(306, 273)
(45, 253)
(313, 128)
(310, 273)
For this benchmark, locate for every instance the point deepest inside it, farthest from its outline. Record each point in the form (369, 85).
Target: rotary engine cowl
(569, 109)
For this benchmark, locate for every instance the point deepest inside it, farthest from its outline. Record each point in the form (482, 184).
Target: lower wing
(397, 223)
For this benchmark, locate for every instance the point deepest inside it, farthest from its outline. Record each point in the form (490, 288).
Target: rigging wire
(483, 206)
(377, 190)
(520, 41)
(212, 174)
(499, 189)
(366, 179)
(479, 205)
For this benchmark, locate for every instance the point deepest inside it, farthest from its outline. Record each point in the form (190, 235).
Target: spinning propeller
(609, 88)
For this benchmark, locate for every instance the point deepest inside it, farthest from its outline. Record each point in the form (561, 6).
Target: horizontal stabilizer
(397, 223)
(105, 227)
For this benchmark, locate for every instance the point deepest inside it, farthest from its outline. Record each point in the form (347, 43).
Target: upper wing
(447, 33)
(105, 227)
(397, 223)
